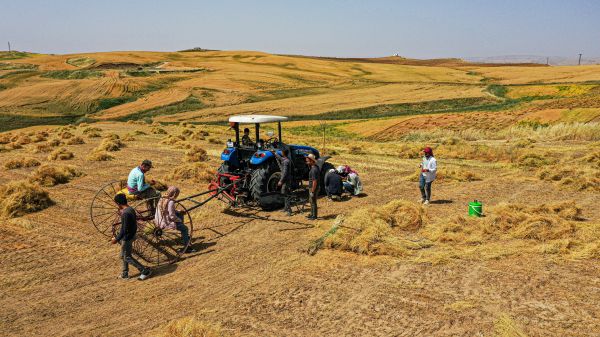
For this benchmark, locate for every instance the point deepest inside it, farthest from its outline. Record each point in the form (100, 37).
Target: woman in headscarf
(167, 216)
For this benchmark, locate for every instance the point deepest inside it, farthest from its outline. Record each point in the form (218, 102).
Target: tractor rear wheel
(263, 180)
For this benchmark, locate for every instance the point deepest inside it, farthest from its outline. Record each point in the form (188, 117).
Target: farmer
(352, 182)
(136, 185)
(427, 176)
(169, 218)
(126, 236)
(246, 141)
(313, 185)
(285, 182)
(333, 184)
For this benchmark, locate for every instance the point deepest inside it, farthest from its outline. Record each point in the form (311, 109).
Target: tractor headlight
(229, 144)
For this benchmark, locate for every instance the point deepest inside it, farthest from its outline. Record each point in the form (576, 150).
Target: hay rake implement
(155, 245)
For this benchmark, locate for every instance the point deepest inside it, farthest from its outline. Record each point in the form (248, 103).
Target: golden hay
(214, 141)
(77, 140)
(191, 327)
(110, 144)
(139, 133)
(375, 230)
(48, 175)
(94, 134)
(5, 138)
(461, 174)
(507, 229)
(65, 135)
(97, 155)
(159, 185)
(41, 148)
(39, 136)
(187, 132)
(172, 140)
(54, 142)
(505, 326)
(61, 154)
(158, 131)
(20, 197)
(16, 163)
(197, 172)
(128, 138)
(196, 154)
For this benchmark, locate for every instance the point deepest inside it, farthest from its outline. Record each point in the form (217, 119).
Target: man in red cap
(427, 176)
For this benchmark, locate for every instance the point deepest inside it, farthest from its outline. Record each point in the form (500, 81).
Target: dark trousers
(185, 232)
(285, 191)
(126, 248)
(152, 195)
(312, 198)
(425, 188)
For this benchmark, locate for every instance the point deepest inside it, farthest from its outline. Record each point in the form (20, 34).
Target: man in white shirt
(427, 176)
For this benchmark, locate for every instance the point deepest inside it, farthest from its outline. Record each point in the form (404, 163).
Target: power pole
(579, 60)
(9, 47)
(547, 60)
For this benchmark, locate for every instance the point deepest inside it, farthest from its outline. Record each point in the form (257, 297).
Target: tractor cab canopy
(235, 121)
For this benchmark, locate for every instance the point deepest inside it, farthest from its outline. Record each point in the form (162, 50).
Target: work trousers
(312, 198)
(425, 188)
(126, 248)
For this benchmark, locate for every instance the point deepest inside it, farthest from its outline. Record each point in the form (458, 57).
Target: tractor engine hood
(260, 157)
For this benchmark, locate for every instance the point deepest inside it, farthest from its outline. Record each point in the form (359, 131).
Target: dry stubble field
(530, 267)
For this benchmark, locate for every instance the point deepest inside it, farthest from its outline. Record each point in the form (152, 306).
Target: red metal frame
(230, 193)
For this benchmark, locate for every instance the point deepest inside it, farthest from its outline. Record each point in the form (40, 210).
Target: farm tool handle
(202, 203)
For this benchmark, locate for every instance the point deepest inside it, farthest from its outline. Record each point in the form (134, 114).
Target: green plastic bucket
(475, 209)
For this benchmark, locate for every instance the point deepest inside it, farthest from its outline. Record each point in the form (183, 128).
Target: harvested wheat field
(523, 140)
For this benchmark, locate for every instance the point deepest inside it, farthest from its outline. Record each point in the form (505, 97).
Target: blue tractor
(249, 161)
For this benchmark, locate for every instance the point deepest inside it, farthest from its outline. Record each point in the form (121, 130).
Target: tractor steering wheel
(270, 143)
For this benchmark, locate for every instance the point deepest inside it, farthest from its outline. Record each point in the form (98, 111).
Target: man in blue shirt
(136, 185)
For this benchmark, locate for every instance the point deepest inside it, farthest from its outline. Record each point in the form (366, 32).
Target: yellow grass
(20, 197)
(191, 327)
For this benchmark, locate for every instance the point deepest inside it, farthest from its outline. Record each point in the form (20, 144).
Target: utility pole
(9, 47)
(547, 60)
(579, 60)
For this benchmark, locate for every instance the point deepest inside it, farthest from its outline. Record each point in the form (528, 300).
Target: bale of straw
(158, 131)
(16, 163)
(65, 135)
(54, 142)
(61, 154)
(50, 175)
(20, 197)
(41, 148)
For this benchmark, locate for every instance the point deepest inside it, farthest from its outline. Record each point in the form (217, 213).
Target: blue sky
(353, 28)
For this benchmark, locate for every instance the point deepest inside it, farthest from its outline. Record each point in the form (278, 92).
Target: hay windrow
(49, 175)
(61, 154)
(20, 197)
(16, 163)
(401, 229)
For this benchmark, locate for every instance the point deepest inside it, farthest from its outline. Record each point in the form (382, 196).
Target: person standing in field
(126, 237)
(313, 185)
(428, 174)
(285, 182)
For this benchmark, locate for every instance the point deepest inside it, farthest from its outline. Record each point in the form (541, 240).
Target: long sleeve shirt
(168, 219)
(136, 182)
(128, 225)
(286, 168)
(431, 165)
